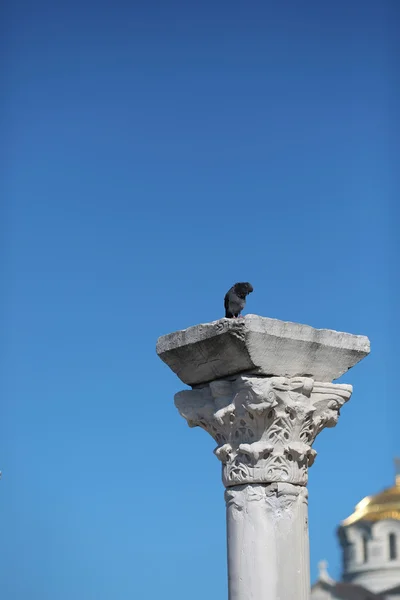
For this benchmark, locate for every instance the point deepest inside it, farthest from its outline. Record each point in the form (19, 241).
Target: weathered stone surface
(261, 346)
(268, 546)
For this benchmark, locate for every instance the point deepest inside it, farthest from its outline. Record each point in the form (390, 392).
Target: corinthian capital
(264, 426)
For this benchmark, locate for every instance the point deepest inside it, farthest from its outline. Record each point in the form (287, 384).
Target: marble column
(262, 389)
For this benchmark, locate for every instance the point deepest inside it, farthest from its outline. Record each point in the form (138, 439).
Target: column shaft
(268, 548)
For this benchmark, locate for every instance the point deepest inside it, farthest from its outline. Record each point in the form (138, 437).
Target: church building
(370, 542)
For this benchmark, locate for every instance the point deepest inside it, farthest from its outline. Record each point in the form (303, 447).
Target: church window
(392, 546)
(365, 549)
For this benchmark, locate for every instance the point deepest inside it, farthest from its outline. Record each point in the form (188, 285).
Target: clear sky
(156, 152)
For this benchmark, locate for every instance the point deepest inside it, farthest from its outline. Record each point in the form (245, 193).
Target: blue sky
(156, 153)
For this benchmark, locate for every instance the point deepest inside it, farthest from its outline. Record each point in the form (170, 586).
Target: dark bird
(235, 299)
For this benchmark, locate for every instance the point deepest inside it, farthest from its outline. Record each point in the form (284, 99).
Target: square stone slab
(261, 346)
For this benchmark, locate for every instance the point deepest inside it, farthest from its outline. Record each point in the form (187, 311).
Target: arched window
(392, 546)
(365, 549)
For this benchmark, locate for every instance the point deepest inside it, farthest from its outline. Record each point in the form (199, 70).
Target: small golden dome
(385, 505)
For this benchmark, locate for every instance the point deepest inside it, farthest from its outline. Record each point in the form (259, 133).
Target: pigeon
(235, 299)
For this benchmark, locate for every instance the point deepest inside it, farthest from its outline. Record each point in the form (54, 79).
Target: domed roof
(385, 505)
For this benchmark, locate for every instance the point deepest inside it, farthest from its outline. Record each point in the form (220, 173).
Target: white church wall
(372, 554)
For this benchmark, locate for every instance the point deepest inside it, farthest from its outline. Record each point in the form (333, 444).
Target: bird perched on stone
(235, 299)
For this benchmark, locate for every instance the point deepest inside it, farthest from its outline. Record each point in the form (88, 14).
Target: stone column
(262, 389)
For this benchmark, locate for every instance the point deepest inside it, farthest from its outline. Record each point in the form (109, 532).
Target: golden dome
(385, 505)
